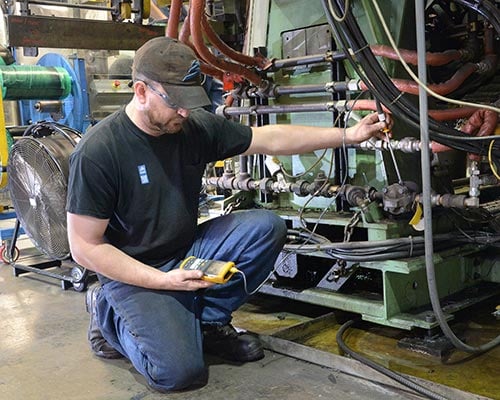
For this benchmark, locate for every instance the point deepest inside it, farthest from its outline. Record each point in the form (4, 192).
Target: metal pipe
(298, 89)
(329, 56)
(329, 87)
(49, 106)
(275, 109)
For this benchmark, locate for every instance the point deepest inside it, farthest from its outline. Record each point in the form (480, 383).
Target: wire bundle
(391, 249)
(348, 34)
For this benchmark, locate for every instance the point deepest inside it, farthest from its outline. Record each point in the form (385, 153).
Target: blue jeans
(159, 331)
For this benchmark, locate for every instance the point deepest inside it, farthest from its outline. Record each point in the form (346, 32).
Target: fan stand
(70, 275)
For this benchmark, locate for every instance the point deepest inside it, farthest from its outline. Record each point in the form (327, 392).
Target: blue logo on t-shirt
(143, 174)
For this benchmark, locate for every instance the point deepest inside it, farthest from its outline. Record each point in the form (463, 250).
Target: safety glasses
(164, 96)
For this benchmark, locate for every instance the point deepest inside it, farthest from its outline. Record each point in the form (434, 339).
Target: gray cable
(427, 191)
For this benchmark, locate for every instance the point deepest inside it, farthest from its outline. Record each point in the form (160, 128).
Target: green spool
(22, 82)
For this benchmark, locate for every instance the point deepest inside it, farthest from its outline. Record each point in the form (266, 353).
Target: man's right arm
(91, 251)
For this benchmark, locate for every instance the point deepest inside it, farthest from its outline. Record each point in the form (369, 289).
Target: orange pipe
(173, 19)
(185, 30)
(183, 37)
(438, 115)
(481, 123)
(258, 61)
(197, 9)
(209, 70)
(449, 86)
(410, 56)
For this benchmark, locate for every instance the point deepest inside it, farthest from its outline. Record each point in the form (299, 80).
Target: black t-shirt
(148, 187)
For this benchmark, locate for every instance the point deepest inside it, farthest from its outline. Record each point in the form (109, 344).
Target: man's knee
(178, 377)
(270, 221)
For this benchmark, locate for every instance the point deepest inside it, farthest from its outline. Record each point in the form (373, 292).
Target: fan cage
(38, 176)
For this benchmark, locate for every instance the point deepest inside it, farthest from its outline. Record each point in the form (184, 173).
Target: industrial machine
(403, 231)
(357, 214)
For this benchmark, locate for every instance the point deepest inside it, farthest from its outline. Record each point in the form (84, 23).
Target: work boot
(224, 341)
(98, 344)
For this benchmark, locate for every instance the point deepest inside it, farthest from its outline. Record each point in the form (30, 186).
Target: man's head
(173, 65)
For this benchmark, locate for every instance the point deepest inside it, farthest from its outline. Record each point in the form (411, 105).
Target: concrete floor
(44, 355)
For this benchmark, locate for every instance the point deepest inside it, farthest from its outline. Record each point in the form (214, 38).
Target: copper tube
(408, 86)
(258, 61)
(209, 70)
(481, 123)
(410, 56)
(173, 19)
(438, 115)
(185, 31)
(183, 37)
(197, 9)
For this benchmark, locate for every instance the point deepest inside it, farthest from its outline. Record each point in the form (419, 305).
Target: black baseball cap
(175, 66)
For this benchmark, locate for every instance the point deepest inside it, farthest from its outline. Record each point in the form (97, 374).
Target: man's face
(162, 115)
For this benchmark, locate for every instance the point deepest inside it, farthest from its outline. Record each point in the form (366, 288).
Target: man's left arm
(294, 139)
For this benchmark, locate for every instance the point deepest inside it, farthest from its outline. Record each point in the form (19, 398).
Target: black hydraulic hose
(391, 374)
(486, 9)
(372, 244)
(350, 37)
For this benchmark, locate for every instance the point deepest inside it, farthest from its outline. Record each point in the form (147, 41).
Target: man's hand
(369, 127)
(181, 279)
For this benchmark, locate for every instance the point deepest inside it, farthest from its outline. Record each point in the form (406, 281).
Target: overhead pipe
(258, 60)
(196, 14)
(185, 30)
(174, 16)
(183, 36)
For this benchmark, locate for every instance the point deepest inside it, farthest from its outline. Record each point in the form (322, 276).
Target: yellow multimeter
(213, 270)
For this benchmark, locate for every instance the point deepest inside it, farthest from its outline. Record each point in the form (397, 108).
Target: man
(132, 218)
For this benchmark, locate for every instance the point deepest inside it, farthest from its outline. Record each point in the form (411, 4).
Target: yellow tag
(417, 218)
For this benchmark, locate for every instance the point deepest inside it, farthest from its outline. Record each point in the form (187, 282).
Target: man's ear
(139, 90)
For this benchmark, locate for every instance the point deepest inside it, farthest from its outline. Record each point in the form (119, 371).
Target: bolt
(430, 318)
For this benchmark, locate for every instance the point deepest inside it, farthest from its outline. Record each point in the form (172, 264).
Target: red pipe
(449, 86)
(185, 29)
(174, 16)
(481, 123)
(438, 115)
(184, 34)
(197, 9)
(258, 61)
(410, 56)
